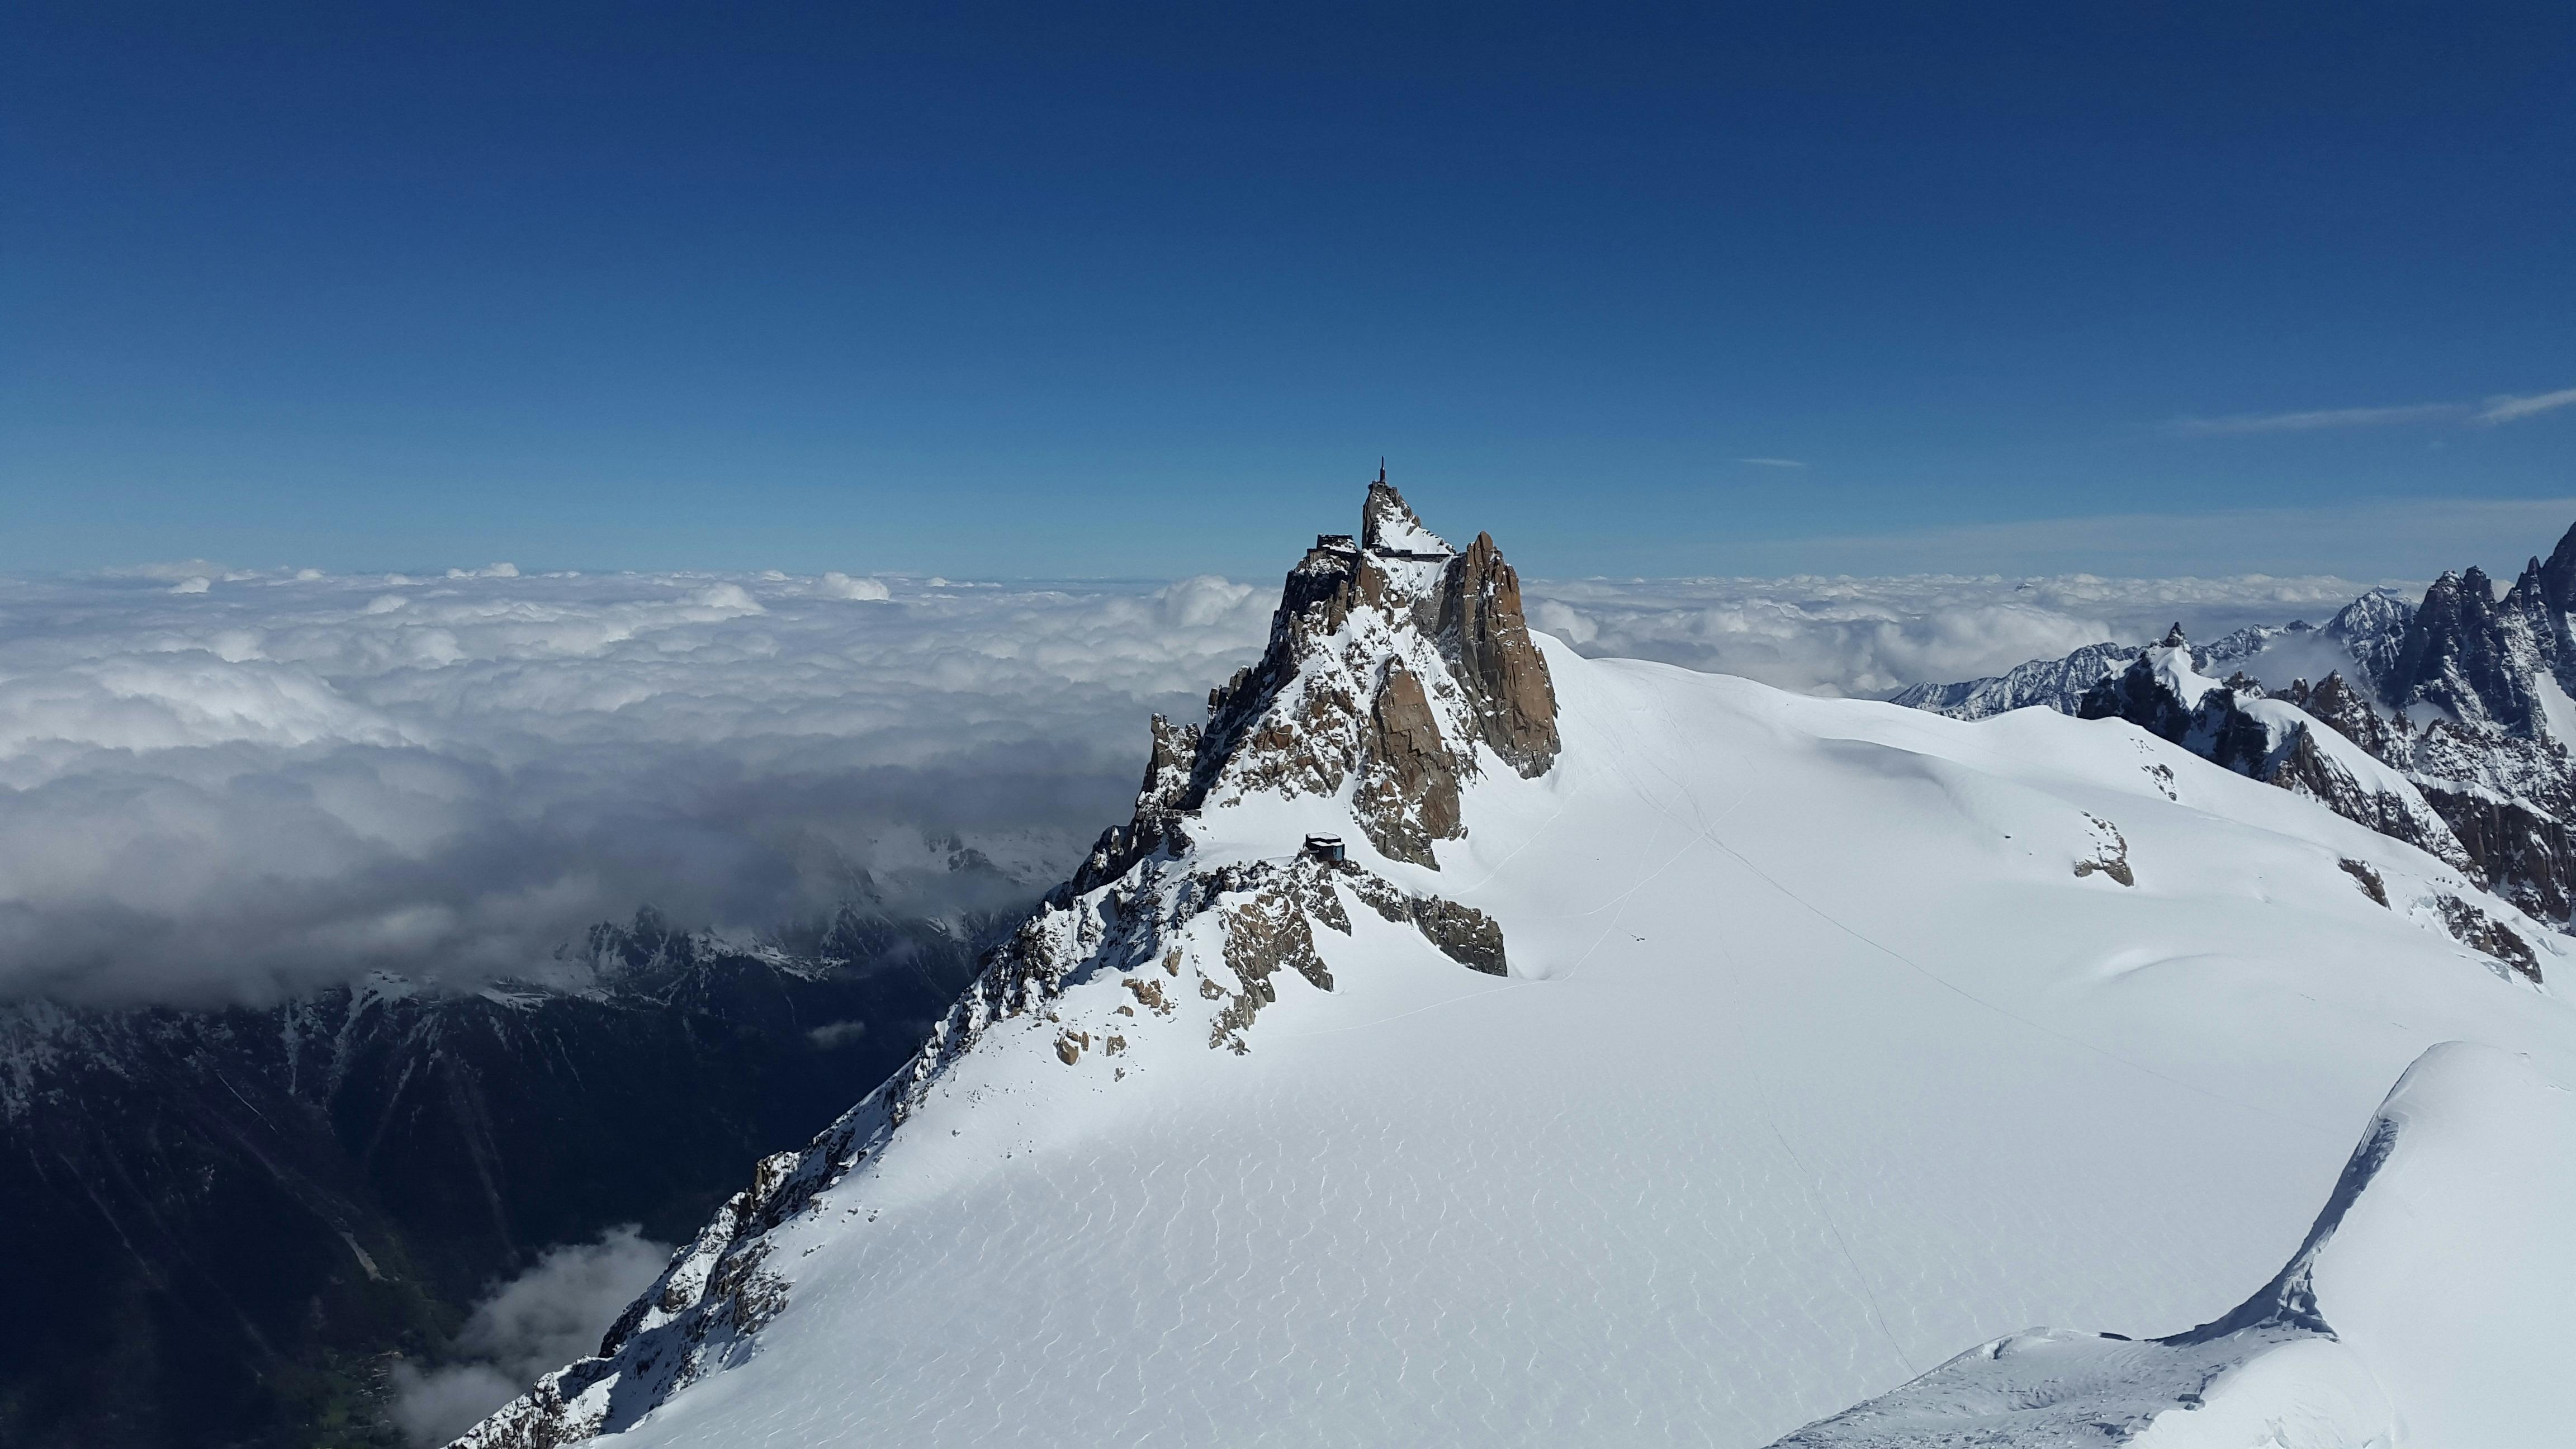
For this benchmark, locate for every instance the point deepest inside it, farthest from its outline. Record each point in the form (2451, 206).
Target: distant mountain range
(2465, 697)
(226, 1224)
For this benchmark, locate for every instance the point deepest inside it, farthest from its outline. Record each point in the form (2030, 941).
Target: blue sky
(1131, 291)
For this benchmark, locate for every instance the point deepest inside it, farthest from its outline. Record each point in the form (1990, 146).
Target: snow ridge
(2468, 696)
(2276, 1371)
(1398, 673)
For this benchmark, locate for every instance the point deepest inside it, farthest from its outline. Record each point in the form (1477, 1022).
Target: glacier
(1832, 1038)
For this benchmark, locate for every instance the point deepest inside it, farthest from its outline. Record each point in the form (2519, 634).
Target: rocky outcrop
(2515, 848)
(2479, 931)
(2484, 673)
(1484, 636)
(2479, 658)
(2489, 785)
(1389, 528)
(1231, 931)
(2342, 708)
(2371, 629)
(2143, 695)
(2366, 876)
(2110, 855)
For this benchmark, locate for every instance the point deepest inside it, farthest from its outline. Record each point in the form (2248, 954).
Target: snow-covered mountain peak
(2173, 667)
(1399, 678)
(1398, 673)
(1389, 526)
(1728, 1057)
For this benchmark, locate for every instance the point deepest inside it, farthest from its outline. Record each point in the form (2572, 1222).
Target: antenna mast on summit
(1381, 470)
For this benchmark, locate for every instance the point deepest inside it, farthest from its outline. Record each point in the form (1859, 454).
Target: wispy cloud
(2504, 408)
(2314, 419)
(2508, 409)
(543, 1319)
(1773, 462)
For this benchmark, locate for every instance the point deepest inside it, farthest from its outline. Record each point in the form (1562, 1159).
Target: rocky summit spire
(2555, 580)
(1388, 525)
(1392, 659)
(1484, 635)
(2473, 658)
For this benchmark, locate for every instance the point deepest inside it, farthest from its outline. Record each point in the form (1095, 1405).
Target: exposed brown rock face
(1408, 790)
(2110, 854)
(2514, 841)
(1462, 933)
(2367, 877)
(2479, 931)
(2520, 853)
(1482, 633)
(1268, 931)
(2341, 706)
(1391, 656)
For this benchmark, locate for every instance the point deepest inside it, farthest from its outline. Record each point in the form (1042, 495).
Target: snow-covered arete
(2468, 695)
(2427, 1306)
(1830, 1036)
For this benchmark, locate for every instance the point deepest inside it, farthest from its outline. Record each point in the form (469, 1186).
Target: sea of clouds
(1869, 637)
(227, 785)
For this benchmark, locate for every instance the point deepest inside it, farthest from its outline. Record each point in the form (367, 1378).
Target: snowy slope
(1835, 1036)
(2467, 696)
(2427, 1306)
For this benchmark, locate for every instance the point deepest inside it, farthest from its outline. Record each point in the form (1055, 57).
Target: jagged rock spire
(1389, 525)
(2472, 655)
(1483, 631)
(2555, 580)
(1388, 664)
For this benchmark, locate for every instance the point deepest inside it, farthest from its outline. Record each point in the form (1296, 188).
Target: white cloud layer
(1855, 636)
(288, 779)
(535, 1323)
(285, 780)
